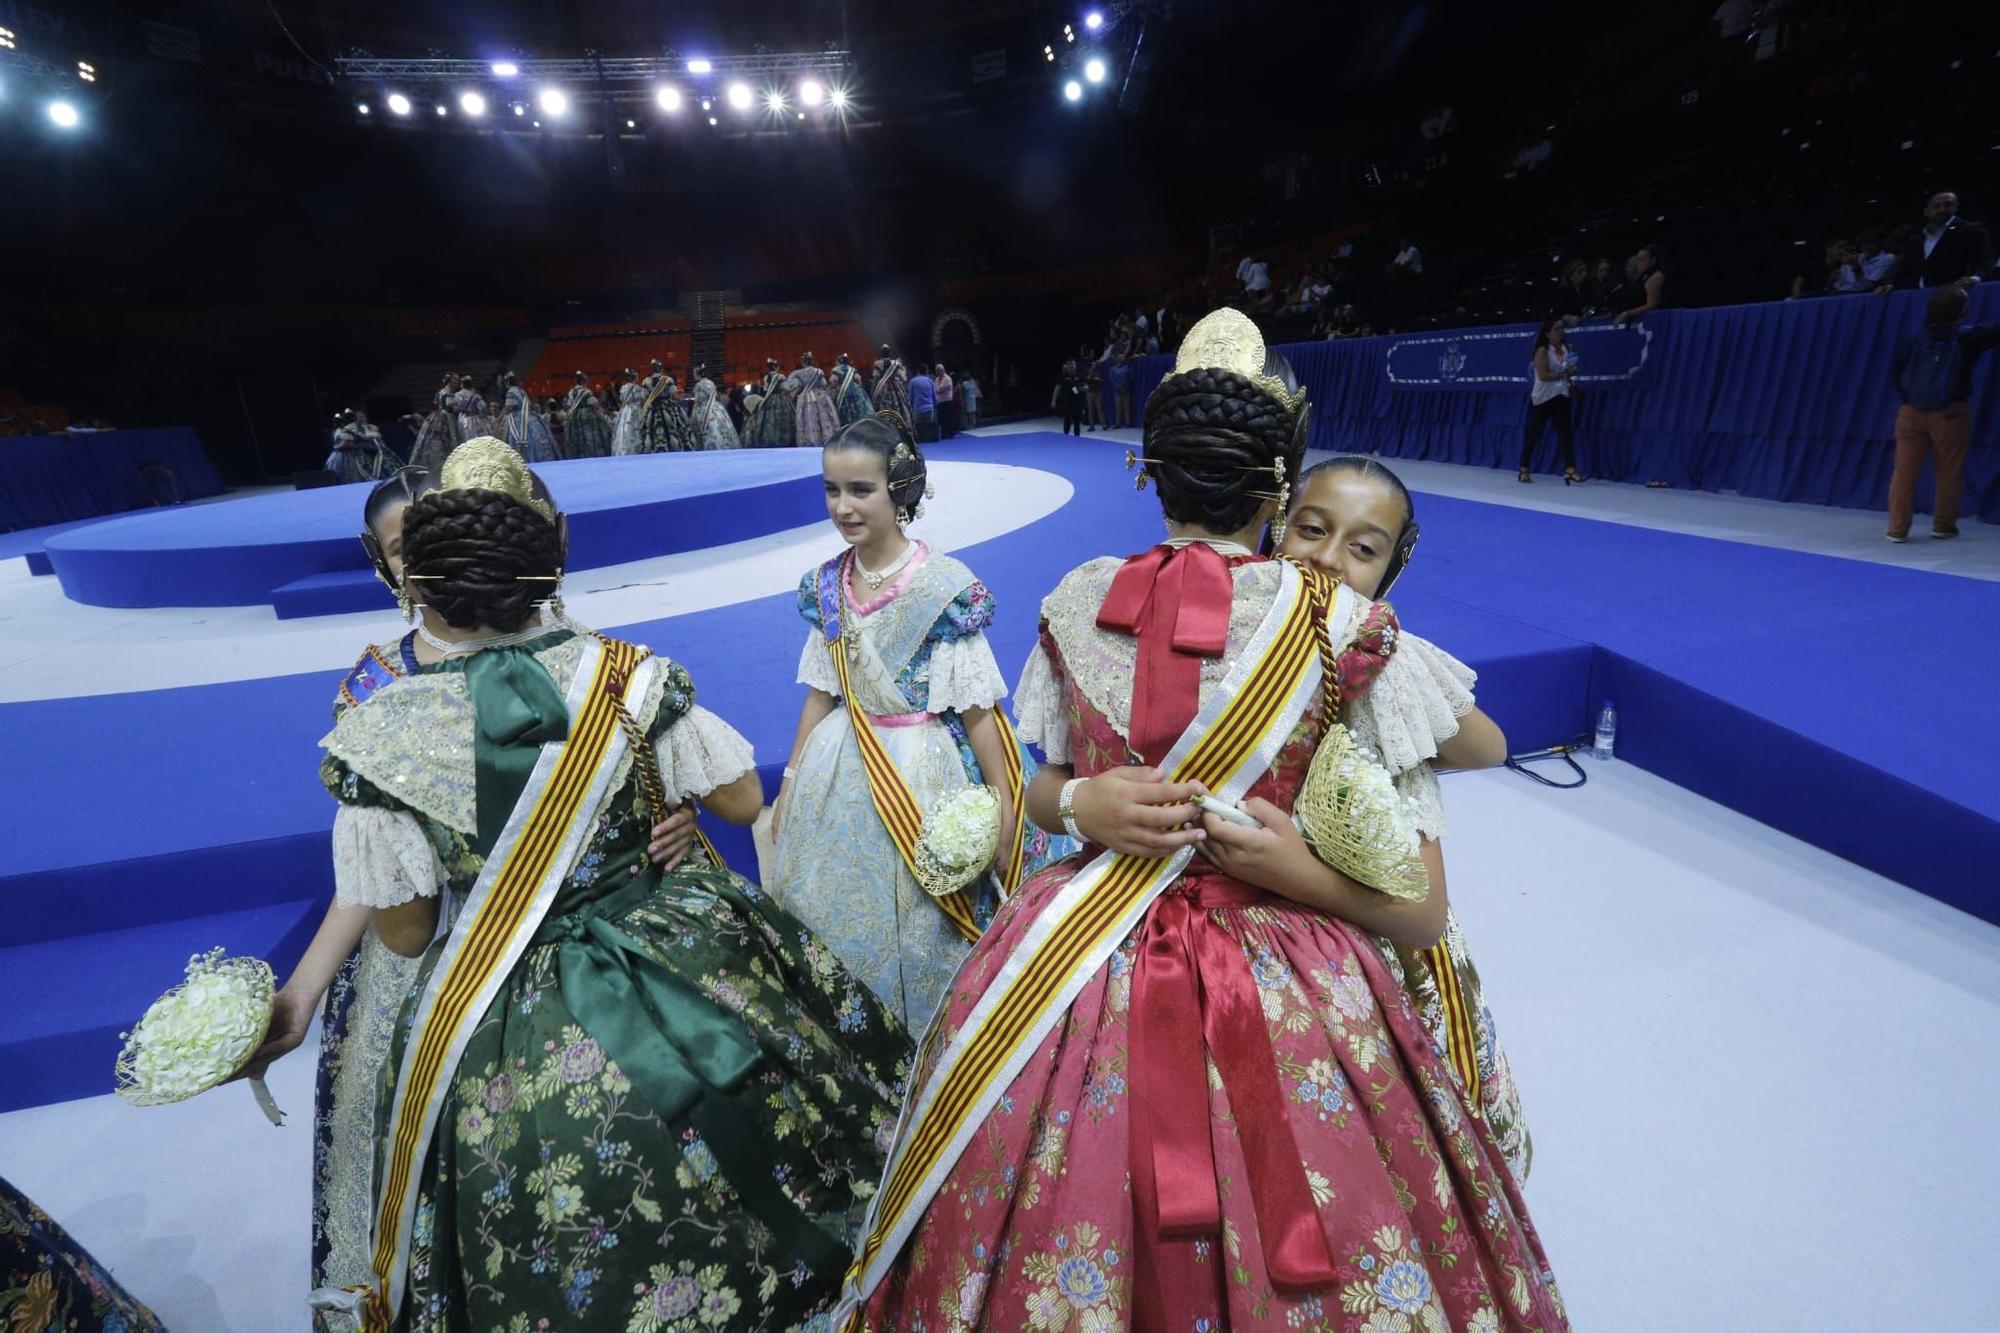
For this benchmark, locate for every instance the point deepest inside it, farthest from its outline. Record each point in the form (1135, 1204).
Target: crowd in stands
(18, 417)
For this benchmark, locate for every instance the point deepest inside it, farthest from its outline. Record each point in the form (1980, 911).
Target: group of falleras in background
(1153, 1070)
(643, 415)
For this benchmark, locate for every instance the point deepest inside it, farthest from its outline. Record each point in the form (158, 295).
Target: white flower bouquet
(1356, 820)
(200, 1033)
(957, 841)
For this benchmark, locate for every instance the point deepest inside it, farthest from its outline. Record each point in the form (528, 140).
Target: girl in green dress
(618, 1097)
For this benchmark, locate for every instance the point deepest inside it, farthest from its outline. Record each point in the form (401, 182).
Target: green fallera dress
(674, 1113)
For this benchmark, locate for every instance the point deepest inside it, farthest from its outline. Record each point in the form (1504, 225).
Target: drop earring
(1284, 505)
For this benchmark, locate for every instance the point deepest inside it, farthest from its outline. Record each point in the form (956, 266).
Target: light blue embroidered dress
(923, 660)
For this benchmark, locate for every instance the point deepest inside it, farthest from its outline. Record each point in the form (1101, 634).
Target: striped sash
(1461, 1040)
(521, 878)
(902, 817)
(1231, 743)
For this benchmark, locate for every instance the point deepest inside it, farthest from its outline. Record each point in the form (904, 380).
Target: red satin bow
(1176, 600)
(1192, 990)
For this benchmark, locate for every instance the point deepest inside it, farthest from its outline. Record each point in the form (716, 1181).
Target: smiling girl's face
(1345, 524)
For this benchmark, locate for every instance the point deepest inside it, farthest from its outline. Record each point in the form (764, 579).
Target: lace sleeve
(964, 675)
(699, 753)
(381, 858)
(1040, 708)
(1423, 799)
(815, 667)
(1415, 704)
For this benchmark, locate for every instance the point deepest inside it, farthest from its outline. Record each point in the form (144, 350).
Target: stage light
(505, 69)
(1049, 54)
(64, 114)
(520, 110)
(440, 108)
(1093, 20)
(775, 100)
(708, 104)
(1069, 33)
(86, 71)
(472, 104)
(553, 102)
(713, 121)
(669, 98)
(700, 66)
(802, 115)
(1073, 91)
(839, 99)
(740, 96)
(6, 39)
(810, 93)
(399, 104)
(631, 124)
(362, 108)
(1093, 70)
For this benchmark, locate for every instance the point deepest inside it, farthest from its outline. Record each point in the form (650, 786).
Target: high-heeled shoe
(1570, 478)
(1525, 478)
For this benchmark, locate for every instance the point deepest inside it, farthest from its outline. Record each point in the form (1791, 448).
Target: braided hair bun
(1215, 440)
(888, 437)
(480, 558)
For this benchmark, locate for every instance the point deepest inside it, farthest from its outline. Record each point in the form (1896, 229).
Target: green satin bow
(517, 710)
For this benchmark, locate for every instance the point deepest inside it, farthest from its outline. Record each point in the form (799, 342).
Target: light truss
(606, 69)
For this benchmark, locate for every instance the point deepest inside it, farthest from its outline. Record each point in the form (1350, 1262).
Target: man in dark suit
(1946, 250)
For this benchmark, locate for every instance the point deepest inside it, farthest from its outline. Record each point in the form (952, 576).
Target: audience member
(1933, 375)
(1119, 378)
(1611, 290)
(923, 407)
(968, 400)
(1947, 250)
(947, 401)
(1576, 300)
(1650, 284)
(1409, 260)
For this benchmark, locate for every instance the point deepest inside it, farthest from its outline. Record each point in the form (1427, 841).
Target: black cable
(1567, 753)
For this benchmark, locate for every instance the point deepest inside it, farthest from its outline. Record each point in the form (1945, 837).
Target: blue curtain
(62, 478)
(1784, 400)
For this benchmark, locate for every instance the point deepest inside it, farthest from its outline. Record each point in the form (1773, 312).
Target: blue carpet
(620, 509)
(161, 822)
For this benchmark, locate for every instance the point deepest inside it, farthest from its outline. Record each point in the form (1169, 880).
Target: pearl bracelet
(1066, 808)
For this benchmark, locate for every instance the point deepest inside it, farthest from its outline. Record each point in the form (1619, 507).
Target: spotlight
(472, 104)
(713, 121)
(399, 104)
(1093, 69)
(86, 71)
(839, 99)
(669, 98)
(1049, 54)
(1073, 91)
(1069, 33)
(64, 114)
(775, 100)
(362, 107)
(708, 104)
(1093, 20)
(505, 69)
(631, 124)
(739, 96)
(553, 101)
(520, 110)
(6, 39)
(810, 93)
(700, 66)
(440, 108)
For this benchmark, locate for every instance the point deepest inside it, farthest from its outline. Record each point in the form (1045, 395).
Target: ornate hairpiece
(487, 464)
(1229, 340)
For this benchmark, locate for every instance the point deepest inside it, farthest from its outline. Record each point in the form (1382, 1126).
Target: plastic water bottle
(1607, 732)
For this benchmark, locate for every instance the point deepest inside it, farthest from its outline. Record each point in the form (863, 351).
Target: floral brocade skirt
(1293, 1118)
(48, 1281)
(671, 1119)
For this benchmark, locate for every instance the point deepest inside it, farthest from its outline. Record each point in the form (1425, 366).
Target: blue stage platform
(1846, 703)
(1783, 400)
(297, 550)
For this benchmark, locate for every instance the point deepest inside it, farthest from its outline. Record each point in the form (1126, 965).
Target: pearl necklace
(527, 634)
(875, 580)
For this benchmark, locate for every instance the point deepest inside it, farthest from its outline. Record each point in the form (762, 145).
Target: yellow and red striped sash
(1461, 1040)
(501, 915)
(1230, 744)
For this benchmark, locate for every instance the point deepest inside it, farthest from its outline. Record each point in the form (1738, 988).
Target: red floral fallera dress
(1351, 1115)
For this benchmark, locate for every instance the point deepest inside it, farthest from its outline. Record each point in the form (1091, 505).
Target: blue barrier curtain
(1786, 400)
(61, 478)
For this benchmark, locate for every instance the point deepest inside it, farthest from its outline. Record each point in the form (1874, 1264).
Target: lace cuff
(1422, 798)
(1415, 705)
(699, 753)
(1041, 712)
(381, 858)
(816, 668)
(964, 675)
